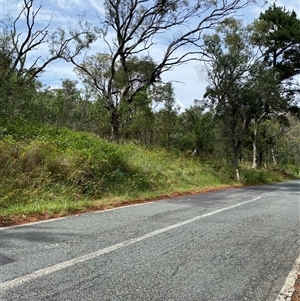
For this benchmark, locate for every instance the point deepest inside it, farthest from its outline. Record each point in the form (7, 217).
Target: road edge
(288, 289)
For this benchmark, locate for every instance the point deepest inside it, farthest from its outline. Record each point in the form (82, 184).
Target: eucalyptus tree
(28, 46)
(276, 33)
(139, 124)
(229, 61)
(272, 136)
(196, 131)
(243, 90)
(266, 101)
(173, 29)
(64, 105)
(166, 118)
(96, 71)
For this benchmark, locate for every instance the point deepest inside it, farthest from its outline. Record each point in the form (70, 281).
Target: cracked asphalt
(236, 244)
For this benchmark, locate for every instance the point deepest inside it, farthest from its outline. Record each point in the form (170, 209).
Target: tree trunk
(237, 149)
(254, 150)
(236, 156)
(260, 159)
(115, 126)
(273, 156)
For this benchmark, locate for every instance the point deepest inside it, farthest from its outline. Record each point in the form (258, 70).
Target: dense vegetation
(45, 172)
(105, 143)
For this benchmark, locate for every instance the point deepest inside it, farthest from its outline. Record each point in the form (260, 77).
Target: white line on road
(288, 287)
(64, 217)
(57, 267)
(33, 223)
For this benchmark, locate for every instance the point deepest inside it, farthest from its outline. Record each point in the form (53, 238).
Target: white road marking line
(33, 223)
(57, 267)
(64, 217)
(288, 287)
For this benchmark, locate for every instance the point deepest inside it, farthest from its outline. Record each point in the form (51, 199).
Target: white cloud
(98, 5)
(255, 10)
(188, 82)
(70, 5)
(56, 72)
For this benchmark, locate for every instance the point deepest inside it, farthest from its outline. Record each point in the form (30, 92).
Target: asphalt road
(237, 244)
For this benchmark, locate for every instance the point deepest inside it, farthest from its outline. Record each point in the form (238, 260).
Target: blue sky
(189, 80)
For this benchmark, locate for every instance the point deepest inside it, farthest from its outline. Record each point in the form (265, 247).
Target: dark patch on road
(5, 260)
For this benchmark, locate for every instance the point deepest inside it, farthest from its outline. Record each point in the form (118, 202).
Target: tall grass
(44, 172)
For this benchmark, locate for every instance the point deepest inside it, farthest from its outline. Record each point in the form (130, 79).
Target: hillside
(47, 173)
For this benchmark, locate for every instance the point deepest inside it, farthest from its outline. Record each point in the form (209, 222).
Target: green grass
(52, 174)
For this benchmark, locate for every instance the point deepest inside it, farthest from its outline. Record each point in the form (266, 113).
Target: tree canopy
(131, 29)
(277, 33)
(250, 101)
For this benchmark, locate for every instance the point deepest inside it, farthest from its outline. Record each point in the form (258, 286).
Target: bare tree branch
(134, 28)
(25, 61)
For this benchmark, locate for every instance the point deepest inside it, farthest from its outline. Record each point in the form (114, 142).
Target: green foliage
(196, 130)
(245, 90)
(263, 176)
(48, 172)
(166, 118)
(46, 167)
(278, 31)
(230, 61)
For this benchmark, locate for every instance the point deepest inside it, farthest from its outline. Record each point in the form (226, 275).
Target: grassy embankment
(45, 174)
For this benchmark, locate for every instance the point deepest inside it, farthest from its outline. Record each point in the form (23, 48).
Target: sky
(189, 80)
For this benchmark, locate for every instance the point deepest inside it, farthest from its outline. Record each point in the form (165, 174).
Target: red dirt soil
(296, 294)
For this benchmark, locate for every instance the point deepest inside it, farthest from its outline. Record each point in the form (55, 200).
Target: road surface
(236, 244)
